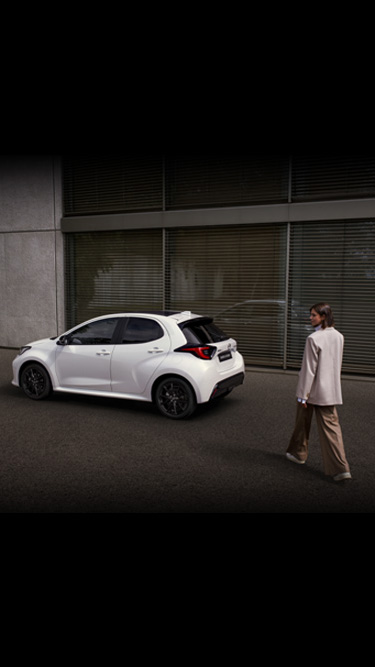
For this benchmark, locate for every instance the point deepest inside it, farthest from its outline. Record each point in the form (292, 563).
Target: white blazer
(320, 374)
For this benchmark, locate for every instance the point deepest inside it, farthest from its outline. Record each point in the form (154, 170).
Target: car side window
(95, 333)
(141, 330)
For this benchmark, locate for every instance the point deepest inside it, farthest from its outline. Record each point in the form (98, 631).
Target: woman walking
(319, 390)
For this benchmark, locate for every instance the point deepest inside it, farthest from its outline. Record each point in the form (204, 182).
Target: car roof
(178, 316)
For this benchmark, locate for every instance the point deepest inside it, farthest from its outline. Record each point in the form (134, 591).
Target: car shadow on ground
(134, 406)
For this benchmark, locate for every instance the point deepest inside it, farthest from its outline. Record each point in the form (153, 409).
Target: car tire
(175, 398)
(35, 382)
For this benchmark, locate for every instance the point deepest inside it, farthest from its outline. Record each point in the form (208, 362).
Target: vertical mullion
(286, 297)
(164, 268)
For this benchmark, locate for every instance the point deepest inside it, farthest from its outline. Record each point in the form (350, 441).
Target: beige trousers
(330, 437)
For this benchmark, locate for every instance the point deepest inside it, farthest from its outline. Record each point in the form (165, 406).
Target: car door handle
(103, 353)
(155, 350)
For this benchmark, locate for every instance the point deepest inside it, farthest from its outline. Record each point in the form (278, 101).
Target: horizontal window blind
(199, 181)
(99, 184)
(237, 275)
(117, 183)
(332, 177)
(334, 262)
(113, 272)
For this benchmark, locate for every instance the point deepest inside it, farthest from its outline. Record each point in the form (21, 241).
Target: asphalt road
(74, 454)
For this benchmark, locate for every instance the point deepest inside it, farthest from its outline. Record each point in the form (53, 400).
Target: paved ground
(77, 454)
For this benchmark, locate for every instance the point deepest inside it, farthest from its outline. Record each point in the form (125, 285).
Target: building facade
(252, 240)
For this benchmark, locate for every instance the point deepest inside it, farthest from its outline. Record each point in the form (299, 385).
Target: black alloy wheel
(175, 398)
(35, 382)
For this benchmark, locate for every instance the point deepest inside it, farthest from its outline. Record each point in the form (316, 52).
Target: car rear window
(202, 332)
(141, 330)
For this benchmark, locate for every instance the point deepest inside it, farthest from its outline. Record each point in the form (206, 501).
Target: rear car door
(143, 347)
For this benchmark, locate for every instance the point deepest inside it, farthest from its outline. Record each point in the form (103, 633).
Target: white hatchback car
(176, 360)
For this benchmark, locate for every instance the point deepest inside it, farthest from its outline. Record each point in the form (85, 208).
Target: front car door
(84, 362)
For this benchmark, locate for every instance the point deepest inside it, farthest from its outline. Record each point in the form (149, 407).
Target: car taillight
(206, 352)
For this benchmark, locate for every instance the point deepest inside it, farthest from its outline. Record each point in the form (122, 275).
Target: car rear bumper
(227, 385)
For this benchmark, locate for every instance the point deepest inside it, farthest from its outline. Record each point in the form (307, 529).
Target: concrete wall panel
(26, 193)
(31, 249)
(28, 287)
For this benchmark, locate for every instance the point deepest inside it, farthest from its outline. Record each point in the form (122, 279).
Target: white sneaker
(341, 476)
(294, 459)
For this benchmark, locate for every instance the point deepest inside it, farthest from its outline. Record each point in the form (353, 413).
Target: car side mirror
(63, 340)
